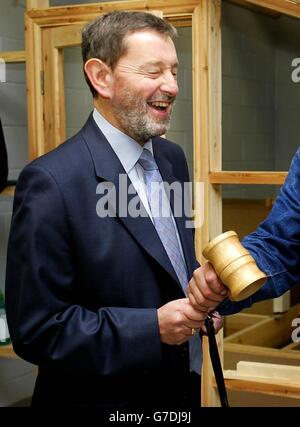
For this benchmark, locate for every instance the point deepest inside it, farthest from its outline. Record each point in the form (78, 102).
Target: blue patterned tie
(166, 229)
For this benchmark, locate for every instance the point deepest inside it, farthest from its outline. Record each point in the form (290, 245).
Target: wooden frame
(10, 58)
(8, 191)
(7, 351)
(13, 56)
(242, 177)
(259, 338)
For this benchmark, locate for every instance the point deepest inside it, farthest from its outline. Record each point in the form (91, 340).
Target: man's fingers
(196, 302)
(205, 289)
(202, 294)
(212, 280)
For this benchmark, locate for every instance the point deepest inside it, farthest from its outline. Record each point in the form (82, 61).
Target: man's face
(144, 86)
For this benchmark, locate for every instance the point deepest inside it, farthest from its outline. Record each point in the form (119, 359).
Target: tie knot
(147, 161)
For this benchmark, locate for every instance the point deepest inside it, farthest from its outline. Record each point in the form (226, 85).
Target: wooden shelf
(242, 177)
(7, 351)
(272, 7)
(8, 191)
(267, 386)
(13, 56)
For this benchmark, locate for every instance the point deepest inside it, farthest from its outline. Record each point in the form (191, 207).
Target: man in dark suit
(94, 295)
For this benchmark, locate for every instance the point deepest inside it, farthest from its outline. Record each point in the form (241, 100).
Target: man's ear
(100, 76)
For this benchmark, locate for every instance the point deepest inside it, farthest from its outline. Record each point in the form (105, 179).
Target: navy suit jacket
(82, 292)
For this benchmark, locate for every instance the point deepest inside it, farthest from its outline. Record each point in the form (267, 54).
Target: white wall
(261, 104)
(79, 101)
(13, 92)
(181, 129)
(248, 88)
(248, 62)
(287, 96)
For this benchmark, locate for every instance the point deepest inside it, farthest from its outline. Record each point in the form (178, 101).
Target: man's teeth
(159, 104)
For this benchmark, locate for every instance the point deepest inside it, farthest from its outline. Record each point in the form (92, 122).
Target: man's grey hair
(103, 38)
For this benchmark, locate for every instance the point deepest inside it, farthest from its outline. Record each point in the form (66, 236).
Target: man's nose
(169, 84)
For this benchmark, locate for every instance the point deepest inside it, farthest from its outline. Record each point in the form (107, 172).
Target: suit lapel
(109, 168)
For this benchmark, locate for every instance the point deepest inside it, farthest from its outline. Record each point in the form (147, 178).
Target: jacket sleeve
(275, 245)
(47, 324)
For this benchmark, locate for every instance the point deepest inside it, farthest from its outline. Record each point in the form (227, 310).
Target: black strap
(215, 361)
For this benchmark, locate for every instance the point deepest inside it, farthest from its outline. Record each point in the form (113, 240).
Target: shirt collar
(126, 148)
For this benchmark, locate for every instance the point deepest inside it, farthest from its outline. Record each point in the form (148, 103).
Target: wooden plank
(245, 178)
(293, 346)
(266, 387)
(207, 145)
(249, 399)
(235, 375)
(266, 378)
(84, 13)
(255, 8)
(7, 351)
(179, 20)
(287, 7)
(37, 4)
(59, 92)
(237, 322)
(200, 147)
(184, 19)
(13, 56)
(263, 307)
(158, 13)
(54, 102)
(214, 120)
(268, 371)
(8, 191)
(34, 70)
(67, 36)
(234, 353)
(200, 117)
(244, 215)
(256, 334)
(271, 332)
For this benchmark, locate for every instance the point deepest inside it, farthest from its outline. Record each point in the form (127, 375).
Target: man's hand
(205, 290)
(176, 320)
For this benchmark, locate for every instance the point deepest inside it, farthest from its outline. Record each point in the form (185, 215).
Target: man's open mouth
(159, 105)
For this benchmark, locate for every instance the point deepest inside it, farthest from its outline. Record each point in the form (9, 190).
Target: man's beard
(134, 118)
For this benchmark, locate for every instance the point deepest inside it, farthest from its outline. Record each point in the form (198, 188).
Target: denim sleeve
(275, 245)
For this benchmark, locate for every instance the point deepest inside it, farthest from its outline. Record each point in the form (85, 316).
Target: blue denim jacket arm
(275, 245)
